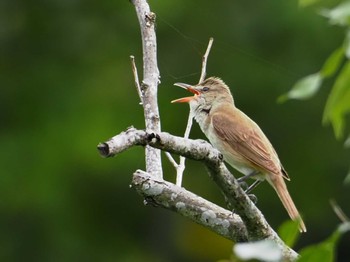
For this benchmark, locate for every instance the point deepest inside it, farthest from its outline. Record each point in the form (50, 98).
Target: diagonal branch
(167, 195)
(257, 226)
(196, 150)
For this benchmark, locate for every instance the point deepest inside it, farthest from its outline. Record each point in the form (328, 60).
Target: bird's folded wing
(249, 143)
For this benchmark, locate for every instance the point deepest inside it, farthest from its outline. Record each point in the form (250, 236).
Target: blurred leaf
(339, 211)
(347, 179)
(347, 45)
(324, 251)
(264, 250)
(232, 258)
(347, 142)
(339, 15)
(338, 104)
(343, 228)
(304, 88)
(305, 3)
(289, 232)
(332, 63)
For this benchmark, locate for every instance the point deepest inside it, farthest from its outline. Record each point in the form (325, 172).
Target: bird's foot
(244, 185)
(253, 198)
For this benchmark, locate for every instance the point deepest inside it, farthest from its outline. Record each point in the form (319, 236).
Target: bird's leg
(252, 186)
(248, 189)
(252, 197)
(244, 178)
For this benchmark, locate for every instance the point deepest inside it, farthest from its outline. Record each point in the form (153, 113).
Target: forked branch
(255, 223)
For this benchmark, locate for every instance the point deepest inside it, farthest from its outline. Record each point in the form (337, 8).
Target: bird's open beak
(188, 88)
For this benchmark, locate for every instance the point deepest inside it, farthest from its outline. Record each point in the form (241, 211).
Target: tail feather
(280, 187)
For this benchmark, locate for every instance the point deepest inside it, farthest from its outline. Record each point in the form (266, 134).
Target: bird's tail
(280, 187)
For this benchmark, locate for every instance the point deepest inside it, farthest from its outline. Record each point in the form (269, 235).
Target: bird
(239, 139)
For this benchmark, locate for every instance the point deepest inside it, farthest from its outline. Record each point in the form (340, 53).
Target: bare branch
(204, 61)
(169, 196)
(257, 226)
(171, 159)
(150, 82)
(121, 142)
(189, 125)
(180, 170)
(339, 212)
(181, 166)
(136, 78)
(196, 150)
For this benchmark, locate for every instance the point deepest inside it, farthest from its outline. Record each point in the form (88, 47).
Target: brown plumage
(238, 138)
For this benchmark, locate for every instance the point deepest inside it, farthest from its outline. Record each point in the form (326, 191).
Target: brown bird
(241, 141)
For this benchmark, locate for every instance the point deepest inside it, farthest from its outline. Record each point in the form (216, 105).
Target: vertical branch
(150, 82)
(204, 61)
(181, 166)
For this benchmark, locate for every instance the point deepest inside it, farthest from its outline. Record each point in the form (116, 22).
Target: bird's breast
(203, 120)
(230, 155)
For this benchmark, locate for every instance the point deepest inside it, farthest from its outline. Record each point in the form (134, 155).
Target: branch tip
(103, 148)
(204, 60)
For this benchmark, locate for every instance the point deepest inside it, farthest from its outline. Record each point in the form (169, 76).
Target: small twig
(180, 170)
(338, 211)
(181, 167)
(171, 159)
(204, 61)
(136, 78)
(189, 125)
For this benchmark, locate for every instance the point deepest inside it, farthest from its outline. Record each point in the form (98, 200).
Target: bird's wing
(249, 142)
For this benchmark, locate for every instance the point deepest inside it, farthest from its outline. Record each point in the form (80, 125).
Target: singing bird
(241, 141)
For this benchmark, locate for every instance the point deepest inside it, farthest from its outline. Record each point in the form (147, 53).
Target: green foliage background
(66, 84)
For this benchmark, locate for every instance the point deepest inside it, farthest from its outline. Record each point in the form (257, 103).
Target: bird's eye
(205, 89)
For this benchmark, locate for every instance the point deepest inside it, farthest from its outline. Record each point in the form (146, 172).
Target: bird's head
(211, 92)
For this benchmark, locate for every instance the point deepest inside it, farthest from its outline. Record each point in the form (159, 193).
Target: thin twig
(180, 171)
(136, 78)
(189, 125)
(171, 159)
(204, 61)
(338, 211)
(181, 167)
